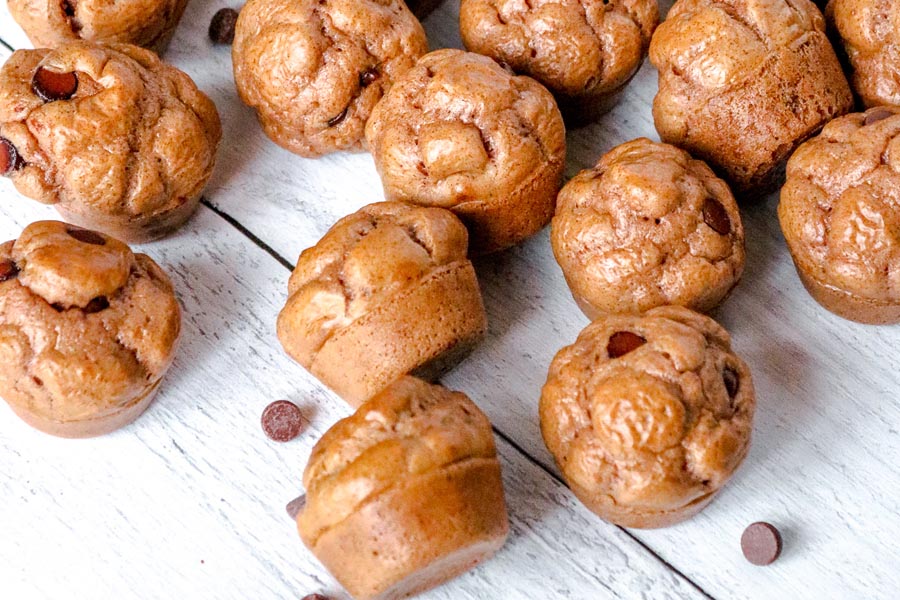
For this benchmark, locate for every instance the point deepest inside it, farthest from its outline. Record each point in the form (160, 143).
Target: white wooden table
(189, 501)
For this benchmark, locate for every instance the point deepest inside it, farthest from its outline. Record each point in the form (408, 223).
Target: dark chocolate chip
(282, 421)
(879, 114)
(338, 118)
(623, 342)
(315, 597)
(68, 8)
(294, 507)
(51, 86)
(10, 159)
(96, 305)
(221, 28)
(8, 270)
(715, 215)
(368, 77)
(87, 236)
(732, 383)
(761, 543)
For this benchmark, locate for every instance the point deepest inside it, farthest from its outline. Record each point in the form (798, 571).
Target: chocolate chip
(338, 118)
(761, 543)
(315, 597)
(8, 270)
(879, 114)
(715, 215)
(368, 77)
(294, 507)
(282, 421)
(732, 383)
(96, 305)
(10, 159)
(623, 342)
(68, 8)
(87, 236)
(221, 28)
(51, 86)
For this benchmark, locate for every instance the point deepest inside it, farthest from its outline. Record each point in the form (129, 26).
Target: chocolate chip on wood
(282, 421)
(295, 506)
(761, 543)
(221, 28)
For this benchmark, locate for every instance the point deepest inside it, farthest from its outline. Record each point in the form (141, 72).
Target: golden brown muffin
(839, 214)
(648, 226)
(147, 23)
(584, 51)
(405, 494)
(869, 32)
(314, 69)
(113, 137)
(648, 416)
(742, 84)
(386, 292)
(87, 329)
(460, 132)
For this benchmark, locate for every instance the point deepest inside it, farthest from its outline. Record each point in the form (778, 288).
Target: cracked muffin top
(648, 414)
(314, 69)
(108, 133)
(579, 49)
(648, 226)
(147, 23)
(86, 326)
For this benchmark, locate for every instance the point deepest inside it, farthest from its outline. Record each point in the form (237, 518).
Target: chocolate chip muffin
(405, 494)
(648, 416)
(584, 51)
(741, 85)
(869, 34)
(110, 135)
(840, 217)
(386, 292)
(648, 226)
(460, 132)
(314, 69)
(147, 23)
(87, 329)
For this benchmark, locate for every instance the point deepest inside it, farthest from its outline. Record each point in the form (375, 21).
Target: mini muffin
(113, 137)
(314, 69)
(840, 216)
(648, 226)
(405, 494)
(87, 329)
(869, 32)
(583, 51)
(386, 292)
(741, 85)
(147, 23)
(648, 416)
(460, 132)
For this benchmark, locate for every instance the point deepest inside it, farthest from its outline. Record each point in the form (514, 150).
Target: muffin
(147, 23)
(113, 137)
(386, 292)
(870, 36)
(840, 216)
(741, 85)
(314, 69)
(87, 329)
(648, 416)
(646, 227)
(405, 494)
(583, 51)
(460, 132)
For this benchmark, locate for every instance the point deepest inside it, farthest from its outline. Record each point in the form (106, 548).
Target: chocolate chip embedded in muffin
(10, 160)
(51, 85)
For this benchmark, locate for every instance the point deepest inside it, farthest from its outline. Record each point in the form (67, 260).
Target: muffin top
(839, 206)
(107, 129)
(410, 429)
(314, 69)
(85, 325)
(648, 226)
(365, 259)
(653, 411)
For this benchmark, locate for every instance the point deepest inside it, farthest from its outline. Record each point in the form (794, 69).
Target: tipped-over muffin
(405, 494)
(147, 23)
(742, 84)
(648, 416)
(870, 35)
(386, 292)
(459, 132)
(116, 139)
(840, 216)
(584, 51)
(87, 329)
(646, 227)
(314, 69)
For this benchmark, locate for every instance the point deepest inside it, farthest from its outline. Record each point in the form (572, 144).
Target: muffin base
(847, 305)
(137, 230)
